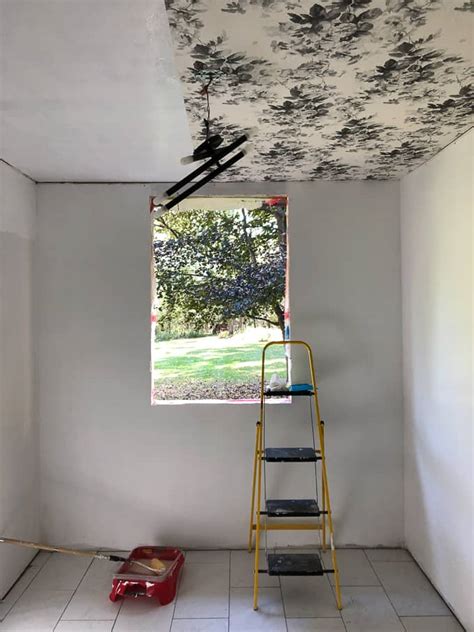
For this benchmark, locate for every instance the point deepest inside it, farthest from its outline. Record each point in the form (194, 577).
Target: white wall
(437, 238)
(19, 485)
(116, 471)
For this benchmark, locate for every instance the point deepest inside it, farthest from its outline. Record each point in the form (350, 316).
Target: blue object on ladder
(294, 388)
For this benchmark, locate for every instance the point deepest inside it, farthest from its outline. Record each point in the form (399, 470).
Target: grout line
(358, 585)
(427, 616)
(17, 580)
(330, 617)
(33, 565)
(413, 561)
(228, 604)
(23, 591)
(434, 588)
(333, 590)
(383, 587)
(309, 547)
(122, 601)
(178, 586)
(433, 616)
(74, 592)
(283, 603)
(200, 618)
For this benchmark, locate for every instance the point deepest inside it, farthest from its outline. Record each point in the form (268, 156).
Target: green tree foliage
(213, 266)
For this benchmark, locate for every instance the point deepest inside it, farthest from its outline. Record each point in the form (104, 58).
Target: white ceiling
(89, 91)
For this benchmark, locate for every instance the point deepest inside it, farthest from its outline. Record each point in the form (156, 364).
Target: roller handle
(79, 552)
(47, 547)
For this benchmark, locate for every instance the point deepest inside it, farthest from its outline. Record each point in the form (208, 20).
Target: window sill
(233, 402)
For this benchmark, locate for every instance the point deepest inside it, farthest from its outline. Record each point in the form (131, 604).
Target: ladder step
(292, 508)
(291, 455)
(294, 564)
(287, 393)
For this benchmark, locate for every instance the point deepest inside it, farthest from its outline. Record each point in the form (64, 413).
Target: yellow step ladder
(317, 518)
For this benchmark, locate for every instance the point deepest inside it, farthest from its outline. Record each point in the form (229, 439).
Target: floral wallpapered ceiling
(340, 89)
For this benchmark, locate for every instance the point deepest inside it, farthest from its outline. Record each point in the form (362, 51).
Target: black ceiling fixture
(213, 153)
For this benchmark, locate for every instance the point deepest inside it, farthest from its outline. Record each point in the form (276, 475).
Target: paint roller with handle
(153, 565)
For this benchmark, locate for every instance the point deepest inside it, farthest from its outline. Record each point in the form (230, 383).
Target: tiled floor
(383, 591)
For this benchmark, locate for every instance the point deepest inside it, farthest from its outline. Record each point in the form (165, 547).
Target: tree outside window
(220, 294)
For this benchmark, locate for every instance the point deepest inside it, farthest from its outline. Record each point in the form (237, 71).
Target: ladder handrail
(262, 373)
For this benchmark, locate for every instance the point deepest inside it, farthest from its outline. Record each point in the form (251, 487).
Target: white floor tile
(316, 625)
(354, 568)
(17, 590)
(84, 626)
(200, 625)
(61, 572)
(207, 557)
(99, 575)
(44, 594)
(367, 609)
(388, 555)
(408, 589)
(431, 624)
(268, 618)
(144, 615)
(308, 597)
(241, 570)
(203, 592)
(90, 605)
(37, 610)
(91, 600)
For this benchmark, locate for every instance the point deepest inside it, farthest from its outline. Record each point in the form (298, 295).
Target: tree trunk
(281, 318)
(280, 217)
(247, 237)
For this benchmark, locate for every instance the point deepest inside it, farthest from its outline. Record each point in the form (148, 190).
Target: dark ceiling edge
(19, 170)
(263, 182)
(102, 182)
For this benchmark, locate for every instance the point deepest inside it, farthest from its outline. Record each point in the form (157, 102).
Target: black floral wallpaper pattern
(339, 89)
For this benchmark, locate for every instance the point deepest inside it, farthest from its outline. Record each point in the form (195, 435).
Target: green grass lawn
(212, 358)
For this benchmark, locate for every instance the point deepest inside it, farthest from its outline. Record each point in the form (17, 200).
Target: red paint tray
(127, 583)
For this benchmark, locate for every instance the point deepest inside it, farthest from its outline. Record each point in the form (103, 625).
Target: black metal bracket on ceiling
(212, 150)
